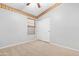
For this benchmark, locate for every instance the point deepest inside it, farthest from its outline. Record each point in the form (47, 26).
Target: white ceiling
(32, 8)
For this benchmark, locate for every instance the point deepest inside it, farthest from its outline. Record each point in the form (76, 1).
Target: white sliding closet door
(43, 29)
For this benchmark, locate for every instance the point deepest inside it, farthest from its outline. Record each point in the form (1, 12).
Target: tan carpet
(37, 48)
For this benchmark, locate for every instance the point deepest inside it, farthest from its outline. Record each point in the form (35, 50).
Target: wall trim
(12, 9)
(33, 17)
(59, 45)
(15, 44)
(62, 46)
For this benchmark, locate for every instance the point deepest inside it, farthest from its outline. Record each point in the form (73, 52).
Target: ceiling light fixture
(38, 4)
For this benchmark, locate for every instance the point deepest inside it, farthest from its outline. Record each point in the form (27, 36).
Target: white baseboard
(43, 41)
(14, 44)
(62, 46)
(65, 47)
